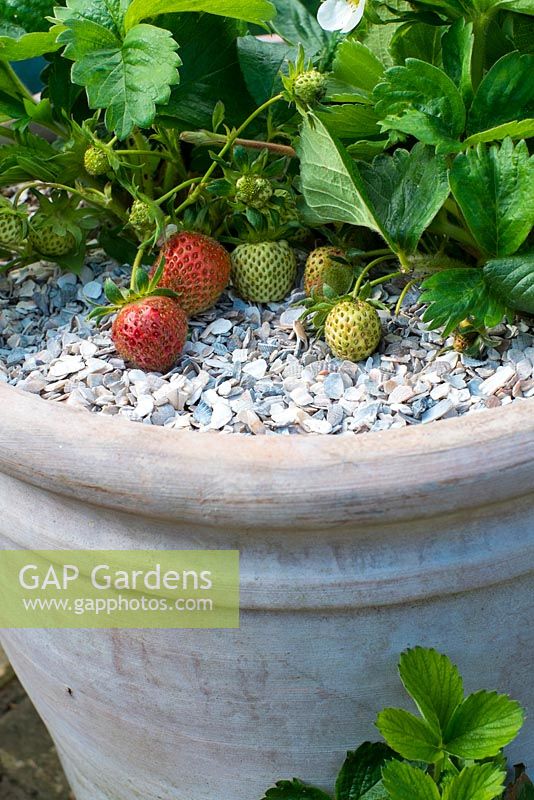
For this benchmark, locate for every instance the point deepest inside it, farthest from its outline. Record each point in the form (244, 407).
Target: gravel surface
(248, 369)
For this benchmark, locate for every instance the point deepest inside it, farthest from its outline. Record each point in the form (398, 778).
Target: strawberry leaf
(514, 279)
(409, 736)
(421, 100)
(29, 45)
(506, 93)
(493, 187)
(362, 771)
(295, 790)
(256, 11)
(457, 44)
(433, 682)
(404, 782)
(482, 725)
(406, 191)
(476, 782)
(456, 294)
(129, 78)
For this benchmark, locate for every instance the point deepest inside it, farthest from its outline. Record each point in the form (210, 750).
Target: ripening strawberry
(150, 333)
(264, 272)
(319, 261)
(48, 238)
(353, 330)
(12, 227)
(197, 268)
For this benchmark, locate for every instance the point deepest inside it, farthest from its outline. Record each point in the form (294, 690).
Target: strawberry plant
(401, 132)
(452, 750)
(423, 137)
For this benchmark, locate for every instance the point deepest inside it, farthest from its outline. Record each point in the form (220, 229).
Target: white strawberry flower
(340, 15)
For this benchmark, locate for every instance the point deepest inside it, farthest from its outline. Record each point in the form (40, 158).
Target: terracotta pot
(352, 548)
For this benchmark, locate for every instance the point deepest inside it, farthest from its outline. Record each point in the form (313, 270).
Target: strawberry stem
(402, 297)
(230, 142)
(368, 269)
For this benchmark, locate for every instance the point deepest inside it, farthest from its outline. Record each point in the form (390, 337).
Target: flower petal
(337, 15)
(356, 17)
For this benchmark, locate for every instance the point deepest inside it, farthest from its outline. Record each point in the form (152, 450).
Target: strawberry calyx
(304, 85)
(143, 286)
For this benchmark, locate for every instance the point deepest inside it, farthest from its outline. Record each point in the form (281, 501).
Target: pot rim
(272, 482)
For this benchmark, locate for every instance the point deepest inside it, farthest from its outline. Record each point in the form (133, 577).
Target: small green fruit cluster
(310, 86)
(253, 191)
(140, 217)
(95, 161)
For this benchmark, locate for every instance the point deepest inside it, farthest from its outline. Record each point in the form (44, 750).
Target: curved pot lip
(237, 480)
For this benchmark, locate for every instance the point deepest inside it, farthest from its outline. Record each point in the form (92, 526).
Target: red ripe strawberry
(151, 333)
(197, 268)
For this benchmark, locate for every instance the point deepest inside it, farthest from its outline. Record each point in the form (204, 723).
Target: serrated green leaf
(457, 43)
(398, 195)
(433, 682)
(109, 14)
(130, 80)
(355, 73)
(331, 184)
(482, 725)
(294, 790)
(506, 94)
(30, 45)
(514, 279)
(33, 158)
(521, 6)
(477, 782)
(261, 63)
(255, 11)
(421, 100)
(351, 121)
(210, 72)
(409, 736)
(404, 782)
(406, 190)
(515, 130)
(456, 294)
(417, 40)
(362, 771)
(11, 107)
(494, 189)
(27, 14)
(82, 37)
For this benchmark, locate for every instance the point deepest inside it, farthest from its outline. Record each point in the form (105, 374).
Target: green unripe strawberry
(264, 272)
(253, 191)
(46, 238)
(140, 217)
(310, 87)
(319, 261)
(353, 330)
(12, 228)
(95, 161)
